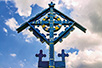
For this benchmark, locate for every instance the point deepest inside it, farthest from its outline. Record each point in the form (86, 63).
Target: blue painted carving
(40, 55)
(51, 23)
(63, 55)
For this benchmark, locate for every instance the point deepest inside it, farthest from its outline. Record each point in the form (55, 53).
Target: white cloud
(79, 40)
(13, 35)
(28, 35)
(13, 55)
(88, 13)
(22, 65)
(47, 46)
(12, 23)
(24, 8)
(35, 65)
(25, 60)
(27, 40)
(86, 58)
(5, 30)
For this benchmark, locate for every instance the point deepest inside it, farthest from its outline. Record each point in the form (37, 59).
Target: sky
(18, 50)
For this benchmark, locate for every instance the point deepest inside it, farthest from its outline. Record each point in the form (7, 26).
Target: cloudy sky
(18, 50)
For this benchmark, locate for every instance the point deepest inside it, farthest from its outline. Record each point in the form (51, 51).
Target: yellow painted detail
(46, 17)
(59, 25)
(41, 22)
(55, 16)
(36, 22)
(51, 13)
(46, 29)
(51, 66)
(51, 27)
(51, 59)
(56, 28)
(51, 43)
(43, 26)
(58, 19)
(51, 16)
(43, 19)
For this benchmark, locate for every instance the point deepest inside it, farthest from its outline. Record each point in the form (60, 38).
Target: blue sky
(15, 52)
(13, 48)
(18, 50)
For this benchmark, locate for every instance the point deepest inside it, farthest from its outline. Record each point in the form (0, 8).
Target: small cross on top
(51, 4)
(40, 55)
(63, 55)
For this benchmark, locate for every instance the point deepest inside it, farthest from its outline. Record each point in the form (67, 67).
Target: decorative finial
(51, 4)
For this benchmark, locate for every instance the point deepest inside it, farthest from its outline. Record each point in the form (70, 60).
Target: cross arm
(38, 16)
(47, 22)
(65, 33)
(66, 17)
(80, 27)
(59, 55)
(22, 27)
(40, 22)
(35, 32)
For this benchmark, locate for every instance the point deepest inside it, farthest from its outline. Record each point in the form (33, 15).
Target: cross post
(51, 45)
